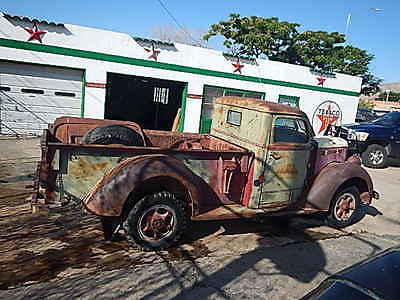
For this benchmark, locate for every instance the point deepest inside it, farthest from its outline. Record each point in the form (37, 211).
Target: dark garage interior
(152, 103)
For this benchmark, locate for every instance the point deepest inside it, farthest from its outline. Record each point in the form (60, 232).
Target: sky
(376, 32)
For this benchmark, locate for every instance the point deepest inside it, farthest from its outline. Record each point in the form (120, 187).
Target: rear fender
(109, 195)
(335, 176)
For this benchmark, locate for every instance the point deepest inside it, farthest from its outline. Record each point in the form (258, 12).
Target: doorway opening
(152, 103)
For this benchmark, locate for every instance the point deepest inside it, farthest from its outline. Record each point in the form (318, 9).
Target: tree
(281, 41)
(389, 96)
(366, 104)
(254, 36)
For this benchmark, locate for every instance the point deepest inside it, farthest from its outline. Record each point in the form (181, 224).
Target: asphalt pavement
(238, 259)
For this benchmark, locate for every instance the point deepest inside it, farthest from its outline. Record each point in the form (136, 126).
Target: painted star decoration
(154, 52)
(35, 33)
(238, 67)
(326, 119)
(321, 80)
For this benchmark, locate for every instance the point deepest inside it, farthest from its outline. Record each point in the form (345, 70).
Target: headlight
(357, 135)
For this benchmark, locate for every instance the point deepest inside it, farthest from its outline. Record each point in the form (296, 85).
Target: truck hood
(376, 130)
(367, 126)
(326, 142)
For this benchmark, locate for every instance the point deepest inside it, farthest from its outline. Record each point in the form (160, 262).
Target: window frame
(307, 127)
(230, 122)
(291, 99)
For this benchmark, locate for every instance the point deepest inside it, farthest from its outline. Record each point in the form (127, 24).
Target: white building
(48, 70)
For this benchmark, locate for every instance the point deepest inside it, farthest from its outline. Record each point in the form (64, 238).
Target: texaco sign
(327, 113)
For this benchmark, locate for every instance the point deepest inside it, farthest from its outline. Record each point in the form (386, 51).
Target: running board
(236, 211)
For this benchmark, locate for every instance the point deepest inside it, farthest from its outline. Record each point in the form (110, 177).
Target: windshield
(389, 119)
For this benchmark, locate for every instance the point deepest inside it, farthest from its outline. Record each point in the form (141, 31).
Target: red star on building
(35, 33)
(154, 52)
(238, 67)
(326, 119)
(321, 80)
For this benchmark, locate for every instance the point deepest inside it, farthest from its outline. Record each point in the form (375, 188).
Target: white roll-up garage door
(31, 96)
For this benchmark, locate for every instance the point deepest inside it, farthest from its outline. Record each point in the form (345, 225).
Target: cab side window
(290, 130)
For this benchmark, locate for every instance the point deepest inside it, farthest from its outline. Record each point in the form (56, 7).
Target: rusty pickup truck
(260, 159)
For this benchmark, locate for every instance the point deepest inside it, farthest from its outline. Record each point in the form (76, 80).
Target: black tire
(335, 218)
(142, 235)
(113, 134)
(375, 156)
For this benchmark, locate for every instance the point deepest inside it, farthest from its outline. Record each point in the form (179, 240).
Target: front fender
(332, 177)
(108, 197)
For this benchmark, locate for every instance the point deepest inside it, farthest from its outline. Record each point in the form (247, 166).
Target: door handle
(275, 155)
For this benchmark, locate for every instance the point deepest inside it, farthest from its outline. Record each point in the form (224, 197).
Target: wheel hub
(156, 223)
(376, 157)
(345, 207)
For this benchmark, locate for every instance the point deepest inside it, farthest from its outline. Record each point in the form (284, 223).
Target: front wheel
(156, 222)
(345, 208)
(375, 156)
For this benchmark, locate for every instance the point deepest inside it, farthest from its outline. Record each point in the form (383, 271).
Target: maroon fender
(332, 177)
(109, 195)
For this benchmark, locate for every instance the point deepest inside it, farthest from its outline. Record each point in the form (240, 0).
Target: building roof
(259, 105)
(26, 19)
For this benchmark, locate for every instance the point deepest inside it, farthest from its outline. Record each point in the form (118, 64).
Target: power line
(177, 23)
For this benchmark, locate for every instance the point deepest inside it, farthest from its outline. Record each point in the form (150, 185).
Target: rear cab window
(234, 117)
(290, 130)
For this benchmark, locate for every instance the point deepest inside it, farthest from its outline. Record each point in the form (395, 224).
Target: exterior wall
(100, 51)
(386, 105)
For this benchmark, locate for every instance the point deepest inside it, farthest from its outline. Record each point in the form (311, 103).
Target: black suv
(376, 140)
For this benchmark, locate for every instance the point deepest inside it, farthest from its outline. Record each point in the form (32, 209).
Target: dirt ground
(62, 254)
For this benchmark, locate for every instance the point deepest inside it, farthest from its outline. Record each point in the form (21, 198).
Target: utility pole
(387, 95)
(348, 21)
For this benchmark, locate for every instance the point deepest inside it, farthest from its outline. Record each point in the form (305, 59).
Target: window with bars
(161, 95)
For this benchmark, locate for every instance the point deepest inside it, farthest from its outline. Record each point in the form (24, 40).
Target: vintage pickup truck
(261, 159)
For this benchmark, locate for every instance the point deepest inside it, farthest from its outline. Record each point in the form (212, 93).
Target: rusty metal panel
(83, 172)
(261, 106)
(287, 166)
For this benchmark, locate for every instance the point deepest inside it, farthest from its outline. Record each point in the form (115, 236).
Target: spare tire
(113, 134)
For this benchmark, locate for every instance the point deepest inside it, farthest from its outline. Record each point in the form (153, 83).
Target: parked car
(374, 278)
(365, 115)
(375, 141)
(261, 159)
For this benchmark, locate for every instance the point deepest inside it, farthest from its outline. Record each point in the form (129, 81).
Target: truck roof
(260, 105)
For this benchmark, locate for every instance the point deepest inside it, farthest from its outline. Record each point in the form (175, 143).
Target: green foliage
(254, 36)
(366, 104)
(393, 96)
(281, 41)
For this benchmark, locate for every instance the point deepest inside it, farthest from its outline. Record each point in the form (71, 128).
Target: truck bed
(71, 169)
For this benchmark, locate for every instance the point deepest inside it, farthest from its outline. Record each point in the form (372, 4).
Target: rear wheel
(375, 156)
(156, 222)
(345, 208)
(113, 134)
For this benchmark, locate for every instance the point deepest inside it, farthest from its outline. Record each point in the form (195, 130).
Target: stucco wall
(123, 45)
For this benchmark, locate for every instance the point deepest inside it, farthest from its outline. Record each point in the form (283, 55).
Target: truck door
(287, 161)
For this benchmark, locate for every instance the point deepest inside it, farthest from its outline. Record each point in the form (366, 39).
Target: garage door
(31, 96)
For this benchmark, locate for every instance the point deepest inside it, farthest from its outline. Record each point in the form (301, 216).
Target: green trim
(183, 109)
(83, 94)
(158, 65)
(205, 124)
(41, 64)
(225, 89)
